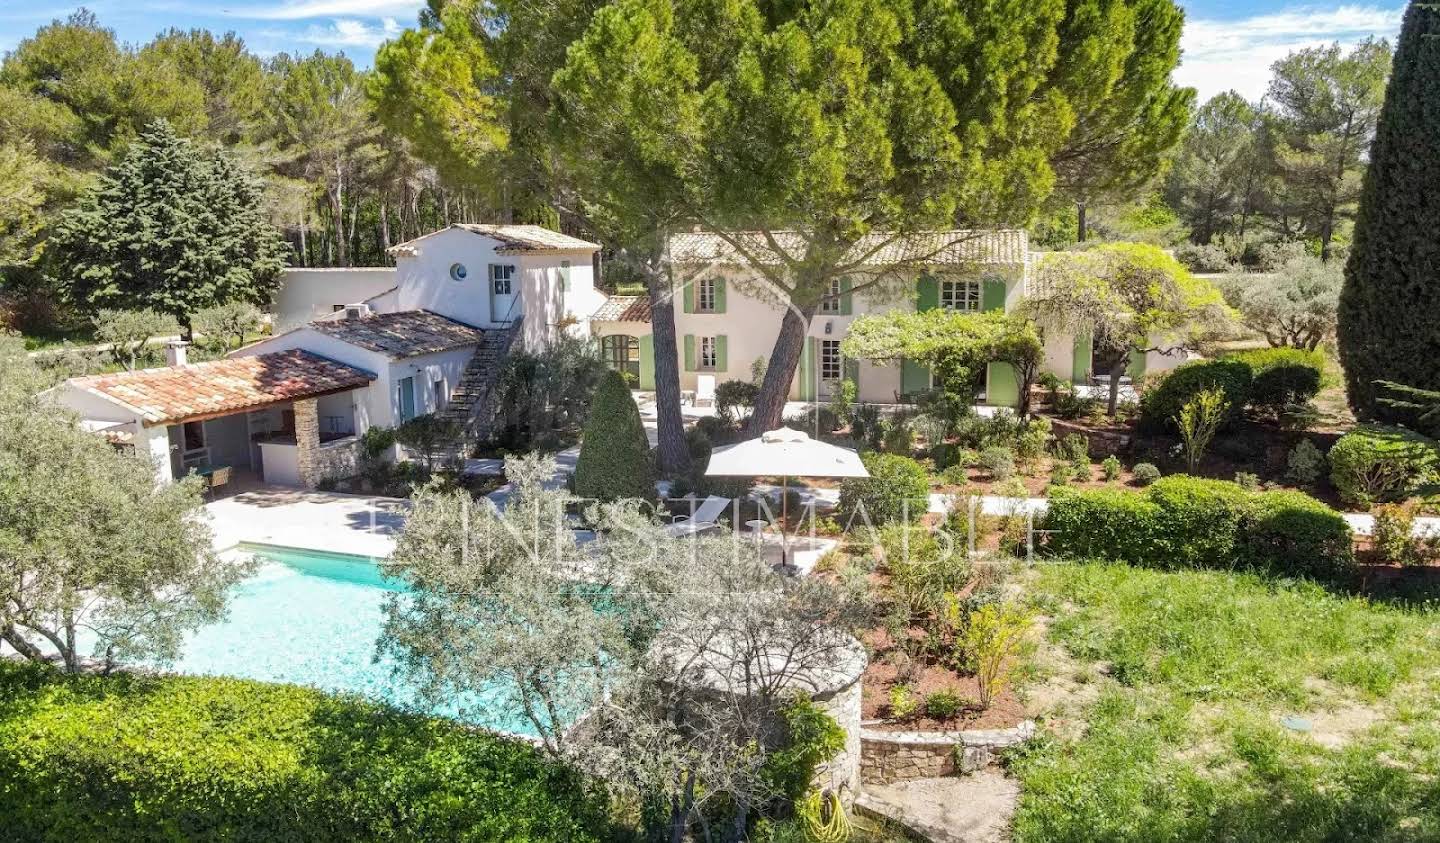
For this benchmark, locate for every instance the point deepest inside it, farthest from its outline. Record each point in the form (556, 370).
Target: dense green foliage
(170, 228)
(1187, 522)
(897, 490)
(1114, 69)
(135, 758)
(1161, 404)
(810, 738)
(1194, 671)
(1373, 463)
(614, 459)
(1392, 285)
(74, 99)
(1281, 377)
(1288, 167)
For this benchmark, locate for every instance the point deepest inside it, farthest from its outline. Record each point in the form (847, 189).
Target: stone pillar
(842, 772)
(307, 442)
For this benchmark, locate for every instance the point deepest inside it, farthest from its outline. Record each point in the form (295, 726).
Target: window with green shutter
(993, 295)
(647, 362)
(689, 352)
(927, 293)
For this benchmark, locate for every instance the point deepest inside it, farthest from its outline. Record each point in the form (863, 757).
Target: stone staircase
(469, 405)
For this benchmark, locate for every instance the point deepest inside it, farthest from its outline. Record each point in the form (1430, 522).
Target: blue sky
(1227, 44)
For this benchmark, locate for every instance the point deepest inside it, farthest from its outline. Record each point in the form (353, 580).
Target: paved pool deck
(363, 525)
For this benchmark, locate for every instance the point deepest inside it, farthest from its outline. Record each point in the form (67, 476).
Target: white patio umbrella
(785, 453)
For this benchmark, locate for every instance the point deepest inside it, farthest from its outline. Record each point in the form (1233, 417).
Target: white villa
(378, 346)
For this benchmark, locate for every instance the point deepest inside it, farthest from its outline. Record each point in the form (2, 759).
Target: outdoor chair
(702, 519)
(217, 478)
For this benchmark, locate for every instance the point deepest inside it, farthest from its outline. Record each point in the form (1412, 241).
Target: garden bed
(1005, 711)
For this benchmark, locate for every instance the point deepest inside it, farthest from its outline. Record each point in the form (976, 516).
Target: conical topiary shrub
(1388, 328)
(614, 455)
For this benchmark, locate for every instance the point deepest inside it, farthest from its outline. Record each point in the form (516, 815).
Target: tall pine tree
(171, 229)
(1388, 306)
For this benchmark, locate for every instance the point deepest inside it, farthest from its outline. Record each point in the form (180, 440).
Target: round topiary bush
(1161, 404)
(897, 490)
(614, 459)
(1378, 463)
(1145, 473)
(1282, 377)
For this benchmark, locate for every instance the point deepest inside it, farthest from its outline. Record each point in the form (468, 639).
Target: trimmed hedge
(1160, 405)
(128, 757)
(898, 489)
(1188, 522)
(1280, 377)
(1378, 463)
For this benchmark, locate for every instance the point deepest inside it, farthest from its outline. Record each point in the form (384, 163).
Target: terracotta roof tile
(177, 393)
(529, 238)
(624, 309)
(513, 239)
(404, 333)
(957, 247)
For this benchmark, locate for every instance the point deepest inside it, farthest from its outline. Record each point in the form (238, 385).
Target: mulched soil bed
(1005, 711)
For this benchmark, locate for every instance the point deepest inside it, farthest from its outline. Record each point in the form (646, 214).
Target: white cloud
(347, 32)
(1236, 55)
(305, 9)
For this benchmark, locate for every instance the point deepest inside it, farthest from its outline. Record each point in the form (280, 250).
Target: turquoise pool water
(312, 618)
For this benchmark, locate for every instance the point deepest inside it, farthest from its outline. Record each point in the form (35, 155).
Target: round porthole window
(457, 271)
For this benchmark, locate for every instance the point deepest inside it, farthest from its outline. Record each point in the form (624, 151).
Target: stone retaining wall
(1103, 443)
(337, 460)
(887, 757)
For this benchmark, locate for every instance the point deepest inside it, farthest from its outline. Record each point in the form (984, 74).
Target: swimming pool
(312, 618)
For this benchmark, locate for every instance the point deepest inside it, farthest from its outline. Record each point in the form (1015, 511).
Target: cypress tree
(1388, 327)
(614, 459)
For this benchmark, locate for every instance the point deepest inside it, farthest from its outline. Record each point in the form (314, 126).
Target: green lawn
(1194, 671)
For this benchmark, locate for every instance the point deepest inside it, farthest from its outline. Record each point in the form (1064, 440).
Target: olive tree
(1129, 298)
(96, 560)
(674, 654)
(1296, 307)
(128, 332)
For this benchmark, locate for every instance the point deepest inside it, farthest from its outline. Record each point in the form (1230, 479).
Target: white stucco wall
(425, 283)
(751, 322)
(305, 294)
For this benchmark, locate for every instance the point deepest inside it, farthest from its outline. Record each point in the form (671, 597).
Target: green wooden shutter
(852, 372)
(565, 276)
(1002, 387)
(992, 294)
(847, 300)
(647, 362)
(929, 293)
(720, 356)
(1136, 369)
(689, 352)
(719, 295)
(807, 370)
(687, 297)
(1080, 360)
(913, 377)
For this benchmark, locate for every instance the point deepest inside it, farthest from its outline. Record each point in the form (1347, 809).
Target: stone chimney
(356, 312)
(175, 354)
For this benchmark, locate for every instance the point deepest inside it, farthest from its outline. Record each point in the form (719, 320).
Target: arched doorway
(622, 353)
